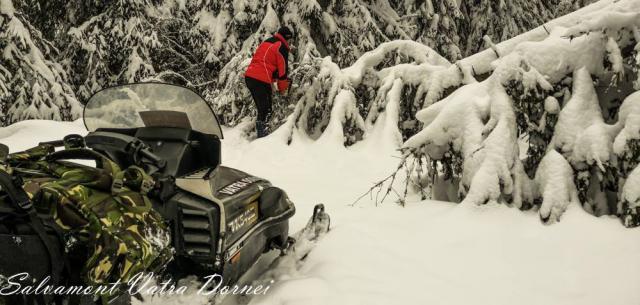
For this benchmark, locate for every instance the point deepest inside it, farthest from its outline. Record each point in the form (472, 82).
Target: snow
(417, 51)
(136, 64)
(629, 121)
(429, 251)
(456, 120)
(581, 112)
(614, 56)
(344, 109)
(611, 21)
(6, 8)
(554, 182)
(636, 35)
(215, 25)
(388, 120)
(329, 23)
(551, 105)
(629, 117)
(556, 56)
(496, 155)
(426, 253)
(631, 191)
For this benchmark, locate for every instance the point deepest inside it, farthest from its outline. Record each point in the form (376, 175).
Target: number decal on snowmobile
(238, 185)
(248, 218)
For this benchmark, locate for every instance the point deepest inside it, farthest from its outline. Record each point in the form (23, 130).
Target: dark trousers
(262, 96)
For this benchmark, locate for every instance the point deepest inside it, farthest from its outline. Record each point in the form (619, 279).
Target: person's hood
(281, 38)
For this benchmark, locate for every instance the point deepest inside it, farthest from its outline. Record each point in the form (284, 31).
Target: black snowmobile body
(222, 219)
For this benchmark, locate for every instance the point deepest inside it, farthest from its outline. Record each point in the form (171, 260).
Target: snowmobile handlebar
(69, 141)
(77, 154)
(137, 150)
(56, 143)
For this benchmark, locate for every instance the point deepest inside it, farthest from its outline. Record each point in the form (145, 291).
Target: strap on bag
(85, 154)
(12, 186)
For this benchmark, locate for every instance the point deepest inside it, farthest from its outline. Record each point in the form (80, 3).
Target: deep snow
(425, 253)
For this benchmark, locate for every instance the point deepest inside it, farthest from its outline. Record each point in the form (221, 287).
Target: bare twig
(386, 184)
(380, 184)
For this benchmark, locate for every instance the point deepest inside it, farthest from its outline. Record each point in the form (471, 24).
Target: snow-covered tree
(567, 6)
(389, 81)
(438, 24)
(565, 99)
(45, 15)
(32, 85)
(112, 47)
(456, 28)
(501, 20)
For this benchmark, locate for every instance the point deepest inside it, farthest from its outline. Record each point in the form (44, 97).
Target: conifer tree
(32, 85)
(112, 47)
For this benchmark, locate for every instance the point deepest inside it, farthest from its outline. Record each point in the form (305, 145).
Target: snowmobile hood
(230, 189)
(247, 204)
(221, 184)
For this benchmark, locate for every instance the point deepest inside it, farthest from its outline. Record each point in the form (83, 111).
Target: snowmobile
(222, 220)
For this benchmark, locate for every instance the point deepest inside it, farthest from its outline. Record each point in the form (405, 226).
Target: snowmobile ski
(271, 268)
(316, 228)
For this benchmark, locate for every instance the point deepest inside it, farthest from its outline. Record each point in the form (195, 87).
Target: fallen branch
(411, 162)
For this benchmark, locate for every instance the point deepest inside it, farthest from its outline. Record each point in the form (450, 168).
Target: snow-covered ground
(425, 253)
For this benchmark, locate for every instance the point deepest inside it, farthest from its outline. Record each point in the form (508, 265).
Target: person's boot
(261, 129)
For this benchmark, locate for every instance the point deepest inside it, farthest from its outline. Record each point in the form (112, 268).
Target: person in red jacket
(268, 65)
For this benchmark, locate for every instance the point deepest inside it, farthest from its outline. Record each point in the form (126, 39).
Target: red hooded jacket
(269, 63)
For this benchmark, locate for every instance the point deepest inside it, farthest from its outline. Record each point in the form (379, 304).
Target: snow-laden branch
(543, 95)
(331, 109)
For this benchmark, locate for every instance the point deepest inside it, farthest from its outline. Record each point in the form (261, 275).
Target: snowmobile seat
(186, 151)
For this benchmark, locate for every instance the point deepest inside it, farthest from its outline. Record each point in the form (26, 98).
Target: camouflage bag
(105, 209)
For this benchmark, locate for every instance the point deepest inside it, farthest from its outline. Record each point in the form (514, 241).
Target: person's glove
(283, 85)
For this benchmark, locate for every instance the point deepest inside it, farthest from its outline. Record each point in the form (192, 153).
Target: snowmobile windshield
(150, 105)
